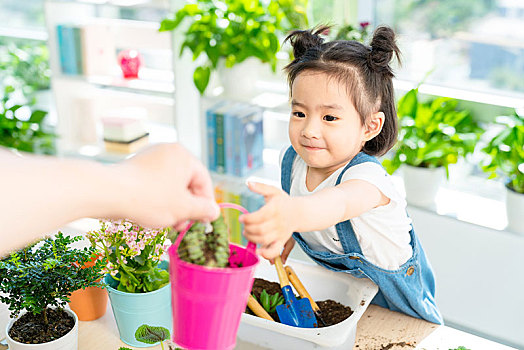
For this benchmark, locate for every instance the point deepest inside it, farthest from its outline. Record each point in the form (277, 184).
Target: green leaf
(151, 334)
(201, 78)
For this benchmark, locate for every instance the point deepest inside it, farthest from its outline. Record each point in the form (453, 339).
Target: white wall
(480, 274)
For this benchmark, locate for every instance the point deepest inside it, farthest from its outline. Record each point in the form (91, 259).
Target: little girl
(337, 201)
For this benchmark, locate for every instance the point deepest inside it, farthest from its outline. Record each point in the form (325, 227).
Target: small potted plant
(505, 153)
(433, 135)
(89, 303)
(37, 281)
(138, 281)
(230, 32)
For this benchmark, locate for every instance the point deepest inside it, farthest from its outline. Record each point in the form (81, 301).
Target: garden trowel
(294, 312)
(293, 278)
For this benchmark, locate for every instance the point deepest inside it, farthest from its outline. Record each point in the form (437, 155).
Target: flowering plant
(133, 254)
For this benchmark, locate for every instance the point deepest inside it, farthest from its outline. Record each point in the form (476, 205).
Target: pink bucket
(207, 301)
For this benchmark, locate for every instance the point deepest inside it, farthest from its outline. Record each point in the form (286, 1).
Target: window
(470, 45)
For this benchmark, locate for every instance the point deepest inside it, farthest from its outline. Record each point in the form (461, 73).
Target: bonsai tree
(505, 152)
(206, 248)
(133, 254)
(432, 134)
(235, 30)
(41, 277)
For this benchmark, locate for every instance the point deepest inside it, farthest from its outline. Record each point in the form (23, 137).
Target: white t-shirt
(383, 232)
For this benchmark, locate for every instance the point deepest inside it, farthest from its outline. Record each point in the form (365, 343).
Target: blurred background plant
(24, 71)
(234, 30)
(505, 152)
(432, 134)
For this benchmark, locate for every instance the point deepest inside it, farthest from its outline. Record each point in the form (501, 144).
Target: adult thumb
(263, 189)
(202, 209)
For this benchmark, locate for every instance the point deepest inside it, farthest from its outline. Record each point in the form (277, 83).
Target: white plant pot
(515, 211)
(67, 342)
(422, 184)
(240, 80)
(322, 284)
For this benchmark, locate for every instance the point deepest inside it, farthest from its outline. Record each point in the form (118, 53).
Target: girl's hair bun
(302, 40)
(383, 46)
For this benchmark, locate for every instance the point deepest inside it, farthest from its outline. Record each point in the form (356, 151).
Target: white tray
(322, 284)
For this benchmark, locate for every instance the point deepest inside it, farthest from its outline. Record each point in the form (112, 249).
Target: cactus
(206, 249)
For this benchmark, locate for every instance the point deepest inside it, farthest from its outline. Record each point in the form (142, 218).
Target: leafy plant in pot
(138, 281)
(229, 32)
(37, 282)
(505, 153)
(433, 135)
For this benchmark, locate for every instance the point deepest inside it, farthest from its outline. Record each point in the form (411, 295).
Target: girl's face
(325, 128)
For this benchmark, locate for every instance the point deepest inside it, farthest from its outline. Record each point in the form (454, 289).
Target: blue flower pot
(131, 310)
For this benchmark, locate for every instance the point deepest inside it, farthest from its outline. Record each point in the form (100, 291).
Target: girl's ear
(374, 125)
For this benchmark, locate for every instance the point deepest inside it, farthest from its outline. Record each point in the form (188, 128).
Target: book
(220, 149)
(211, 135)
(249, 136)
(67, 49)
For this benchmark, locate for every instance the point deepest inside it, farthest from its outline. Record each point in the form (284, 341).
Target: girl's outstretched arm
(272, 225)
(158, 187)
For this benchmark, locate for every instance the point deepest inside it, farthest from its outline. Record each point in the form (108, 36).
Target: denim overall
(409, 289)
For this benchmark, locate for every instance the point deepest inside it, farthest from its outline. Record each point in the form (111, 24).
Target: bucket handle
(251, 247)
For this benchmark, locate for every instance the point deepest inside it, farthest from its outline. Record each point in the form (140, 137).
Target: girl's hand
(272, 225)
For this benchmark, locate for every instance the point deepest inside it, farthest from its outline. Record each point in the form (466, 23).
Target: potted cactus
(206, 245)
(505, 152)
(211, 281)
(37, 282)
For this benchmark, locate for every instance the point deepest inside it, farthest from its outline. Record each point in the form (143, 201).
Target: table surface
(378, 328)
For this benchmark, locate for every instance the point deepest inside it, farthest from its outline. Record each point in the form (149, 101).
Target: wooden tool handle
(257, 309)
(293, 278)
(282, 275)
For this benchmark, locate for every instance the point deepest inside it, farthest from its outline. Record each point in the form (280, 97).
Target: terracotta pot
(90, 303)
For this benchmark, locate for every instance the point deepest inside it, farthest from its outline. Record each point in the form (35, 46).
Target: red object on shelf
(130, 62)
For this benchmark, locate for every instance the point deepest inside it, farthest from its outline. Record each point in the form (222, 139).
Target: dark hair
(363, 69)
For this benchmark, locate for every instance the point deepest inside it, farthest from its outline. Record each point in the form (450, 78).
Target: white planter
(515, 211)
(422, 184)
(322, 284)
(239, 81)
(67, 342)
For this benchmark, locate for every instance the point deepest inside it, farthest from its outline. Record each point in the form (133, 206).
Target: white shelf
(150, 81)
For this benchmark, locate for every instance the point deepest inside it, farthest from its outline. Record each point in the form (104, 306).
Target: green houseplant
(39, 280)
(138, 281)
(505, 152)
(234, 30)
(433, 135)
(21, 126)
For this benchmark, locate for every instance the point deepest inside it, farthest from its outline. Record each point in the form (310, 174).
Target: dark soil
(30, 329)
(332, 312)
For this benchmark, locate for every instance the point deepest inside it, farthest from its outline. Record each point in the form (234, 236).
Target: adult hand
(167, 186)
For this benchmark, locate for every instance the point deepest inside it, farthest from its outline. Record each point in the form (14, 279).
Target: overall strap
(345, 231)
(287, 165)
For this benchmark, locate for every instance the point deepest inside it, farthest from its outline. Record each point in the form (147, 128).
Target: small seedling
(270, 302)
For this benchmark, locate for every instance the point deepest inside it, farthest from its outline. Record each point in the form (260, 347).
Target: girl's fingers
(257, 217)
(271, 251)
(263, 189)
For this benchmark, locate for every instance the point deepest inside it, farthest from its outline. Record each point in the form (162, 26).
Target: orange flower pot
(90, 303)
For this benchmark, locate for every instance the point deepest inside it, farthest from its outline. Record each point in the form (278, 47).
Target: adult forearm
(41, 194)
